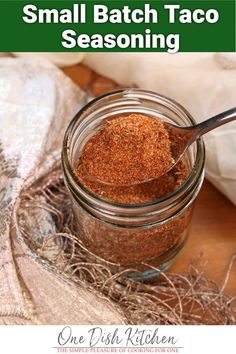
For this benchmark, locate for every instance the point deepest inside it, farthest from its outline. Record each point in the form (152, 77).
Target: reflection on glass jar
(133, 236)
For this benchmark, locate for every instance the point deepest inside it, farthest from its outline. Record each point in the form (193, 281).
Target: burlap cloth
(36, 103)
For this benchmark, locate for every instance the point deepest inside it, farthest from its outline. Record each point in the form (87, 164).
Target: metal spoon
(181, 139)
(185, 136)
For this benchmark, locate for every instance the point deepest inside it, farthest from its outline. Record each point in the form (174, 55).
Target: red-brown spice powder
(124, 246)
(128, 150)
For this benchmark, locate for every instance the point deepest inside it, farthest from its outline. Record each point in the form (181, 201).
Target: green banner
(170, 26)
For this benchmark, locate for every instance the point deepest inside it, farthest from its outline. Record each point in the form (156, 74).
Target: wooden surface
(213, 232)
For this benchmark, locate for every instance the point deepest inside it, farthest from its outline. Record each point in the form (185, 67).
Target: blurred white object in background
(227, 60)
(59, 59)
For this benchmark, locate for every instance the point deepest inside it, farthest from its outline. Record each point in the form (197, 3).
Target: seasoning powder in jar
(125, 152)
(125, 223)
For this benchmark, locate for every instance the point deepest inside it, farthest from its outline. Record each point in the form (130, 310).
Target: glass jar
(143, 237)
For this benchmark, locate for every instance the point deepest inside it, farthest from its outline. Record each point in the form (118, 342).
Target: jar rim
(197, 167)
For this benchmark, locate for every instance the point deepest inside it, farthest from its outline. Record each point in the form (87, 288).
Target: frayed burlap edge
(190, 298)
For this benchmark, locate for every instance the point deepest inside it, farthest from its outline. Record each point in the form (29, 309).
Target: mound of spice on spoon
(128, 150)
(126, 145)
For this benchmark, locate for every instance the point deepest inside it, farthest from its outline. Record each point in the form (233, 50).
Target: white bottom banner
(117, 339)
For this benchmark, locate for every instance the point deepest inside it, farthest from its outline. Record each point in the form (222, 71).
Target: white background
(194, 339)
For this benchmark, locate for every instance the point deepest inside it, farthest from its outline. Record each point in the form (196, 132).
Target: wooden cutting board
(213, 232)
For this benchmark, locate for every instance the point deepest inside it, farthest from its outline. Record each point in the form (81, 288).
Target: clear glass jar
(132, 236)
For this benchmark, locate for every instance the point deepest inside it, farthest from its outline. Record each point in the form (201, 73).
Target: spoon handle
(214, 122)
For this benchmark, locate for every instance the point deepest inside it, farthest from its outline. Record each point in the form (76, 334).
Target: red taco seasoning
(131, 225)
(138, 193)
(128, 150)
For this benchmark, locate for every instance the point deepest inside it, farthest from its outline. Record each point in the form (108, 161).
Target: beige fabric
(36, 103)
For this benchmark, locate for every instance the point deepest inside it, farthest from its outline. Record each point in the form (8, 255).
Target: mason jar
(140, 239)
